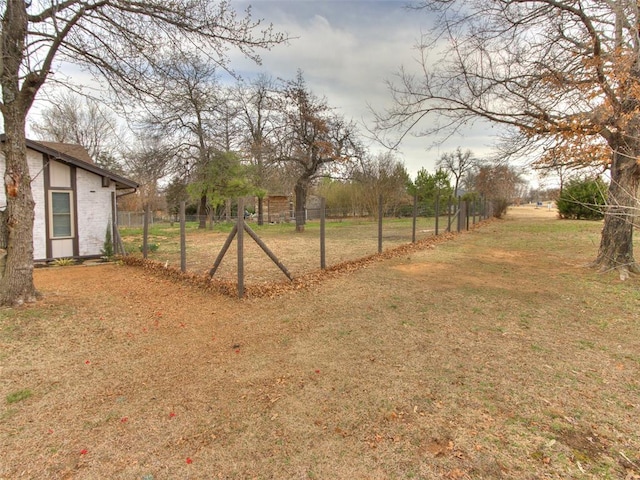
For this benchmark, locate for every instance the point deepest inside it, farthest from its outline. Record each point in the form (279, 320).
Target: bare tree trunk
(616, 244)
(300, 190)
(260, 210)
(4, 238)
(16, 279)
(227, 210)
(202, 213)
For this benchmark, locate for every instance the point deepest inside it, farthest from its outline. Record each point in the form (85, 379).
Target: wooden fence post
(266, 250)
(183, 237)
(449, 204)
(474, 210)
(437, 211)
(466, 211)
(240, 240)
(241, 224)
(223, 251)
(415, 215)
(261, 210)
(145, 231)
(323, 207)
(380, 212)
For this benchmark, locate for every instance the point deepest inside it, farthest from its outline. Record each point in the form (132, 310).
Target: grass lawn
(495, 355)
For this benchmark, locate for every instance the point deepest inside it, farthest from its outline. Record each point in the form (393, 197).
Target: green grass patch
(18, 396)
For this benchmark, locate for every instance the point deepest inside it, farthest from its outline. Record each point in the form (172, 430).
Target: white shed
(75, 200)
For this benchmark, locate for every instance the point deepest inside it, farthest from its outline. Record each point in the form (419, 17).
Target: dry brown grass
(493, 356)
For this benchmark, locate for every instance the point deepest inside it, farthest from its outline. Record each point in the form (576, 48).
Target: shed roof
(76, 155)
(71, 149)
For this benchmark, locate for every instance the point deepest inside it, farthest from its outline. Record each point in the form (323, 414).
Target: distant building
(277, 208)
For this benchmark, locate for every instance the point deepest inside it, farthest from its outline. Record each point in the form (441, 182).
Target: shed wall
(36, 167)
(93, 207)
(94, 212)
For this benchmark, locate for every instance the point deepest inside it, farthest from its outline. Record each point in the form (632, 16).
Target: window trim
(71, 214)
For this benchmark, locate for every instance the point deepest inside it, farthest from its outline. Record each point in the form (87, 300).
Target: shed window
(61, 214)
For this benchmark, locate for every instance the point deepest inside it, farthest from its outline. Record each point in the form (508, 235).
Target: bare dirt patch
(493, 355)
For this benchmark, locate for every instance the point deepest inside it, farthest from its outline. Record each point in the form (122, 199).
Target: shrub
(107, 247)
(470, 196)
(583, 199)
(64, 262)
(499, 207)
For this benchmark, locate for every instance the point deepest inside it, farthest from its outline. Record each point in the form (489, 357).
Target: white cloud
(347, 50)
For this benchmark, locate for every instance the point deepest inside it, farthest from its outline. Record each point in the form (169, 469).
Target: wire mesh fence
(328, 239)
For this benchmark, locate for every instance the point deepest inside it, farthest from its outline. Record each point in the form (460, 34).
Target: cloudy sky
(346, 50)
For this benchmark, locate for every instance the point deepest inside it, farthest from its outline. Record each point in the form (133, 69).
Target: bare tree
(343, 197)
(500, 184)
(117, 39)
(383, 176)
(149, 160)
(192, 112)
(458, 163)
(565, 161)
(71, 118)
(553, 71)
(258, 115)
(313, 139)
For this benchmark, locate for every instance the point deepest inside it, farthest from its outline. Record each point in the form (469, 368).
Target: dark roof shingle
(73, 150)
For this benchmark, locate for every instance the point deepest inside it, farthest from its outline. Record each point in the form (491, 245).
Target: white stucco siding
(94, 212)
(34, 160)
(37, 188)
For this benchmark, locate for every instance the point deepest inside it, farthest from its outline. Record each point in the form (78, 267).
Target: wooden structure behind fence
(277, 208)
